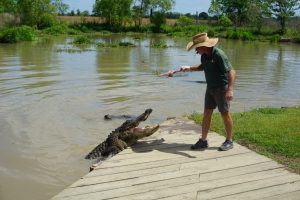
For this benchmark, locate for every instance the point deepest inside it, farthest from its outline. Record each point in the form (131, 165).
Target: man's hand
(229, 95)
(185, 68)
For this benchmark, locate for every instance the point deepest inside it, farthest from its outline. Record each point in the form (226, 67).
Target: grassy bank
(9, 34)
(274, 132)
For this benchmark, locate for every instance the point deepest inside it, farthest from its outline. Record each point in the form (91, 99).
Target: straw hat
(201, 40)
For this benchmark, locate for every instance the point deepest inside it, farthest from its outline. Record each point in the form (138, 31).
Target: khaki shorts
(217, 97)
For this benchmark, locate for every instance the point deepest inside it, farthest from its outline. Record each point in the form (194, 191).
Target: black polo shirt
(216, 68)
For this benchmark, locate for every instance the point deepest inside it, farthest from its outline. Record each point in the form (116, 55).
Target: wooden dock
(163, 167)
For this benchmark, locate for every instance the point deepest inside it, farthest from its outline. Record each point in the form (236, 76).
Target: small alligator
(109, 117)
(122, 137)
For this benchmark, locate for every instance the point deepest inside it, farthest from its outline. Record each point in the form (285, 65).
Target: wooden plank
(252, 185)
(212, 173)
(278, 189)
(185, 196)
(205, 166)
(287, 191)
(156, 169)
(155, 164)
(157, 190)
(167, 162)
(110, 191)
(234, 171)
(169, 176)
(173, 153)
(205, 186)
(286, 195)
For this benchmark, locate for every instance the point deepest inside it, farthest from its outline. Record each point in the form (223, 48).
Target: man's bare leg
(206, 122)
(228, 124)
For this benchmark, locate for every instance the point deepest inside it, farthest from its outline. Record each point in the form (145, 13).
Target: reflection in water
(265, 73)
(28, 67)
(52, 103)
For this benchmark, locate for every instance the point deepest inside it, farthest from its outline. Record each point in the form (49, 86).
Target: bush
(247, 36)
(82, 39)
(184, 21)
(240, 34)
(16, 34)
(166, 28)
(47, 20)
(275, 38)
(297, 38)
(186, 31)
(211, 33)
(158, 45)
(57, 29)
(81, 27)
(126, 44)
(233, 34)
(225, 21)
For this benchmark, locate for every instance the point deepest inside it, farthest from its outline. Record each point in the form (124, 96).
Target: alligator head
(138, 133)
(129, 124)
(145, 132)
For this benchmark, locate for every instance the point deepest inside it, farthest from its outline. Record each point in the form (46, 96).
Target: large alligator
(124, 136)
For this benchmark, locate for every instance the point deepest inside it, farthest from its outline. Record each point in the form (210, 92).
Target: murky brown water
(52, 102)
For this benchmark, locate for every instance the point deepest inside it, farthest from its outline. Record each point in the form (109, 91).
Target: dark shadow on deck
(173, 148)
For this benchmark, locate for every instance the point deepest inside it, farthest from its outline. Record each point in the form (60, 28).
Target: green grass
(274, 132)
(82, 39)
(126, 44)
(158, 45)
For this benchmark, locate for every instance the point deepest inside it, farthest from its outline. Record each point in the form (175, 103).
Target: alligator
(122, 137)
(109, 117)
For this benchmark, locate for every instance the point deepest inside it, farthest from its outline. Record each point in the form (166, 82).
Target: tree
(215, 9)
(8, 6)
(157, 19)
(34, 12)
(160, 7)
(72, 13)
(114, 11)
(85, 13)
(203, 15)
(139, 9)
(282, 10)
(258, 10)
(225, 21)
(241, 12)
(173, 15)
(61, 7)
(78, 12)
(184, 21)
(236, 10)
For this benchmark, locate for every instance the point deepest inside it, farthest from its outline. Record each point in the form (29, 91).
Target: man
(220, 78)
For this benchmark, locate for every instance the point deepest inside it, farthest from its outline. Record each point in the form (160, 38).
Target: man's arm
(192, 68)
(231, 81)
(197, 67)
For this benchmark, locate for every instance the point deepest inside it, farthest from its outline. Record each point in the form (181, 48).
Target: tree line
(42, 13)
(252, 12)
(35, 13)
